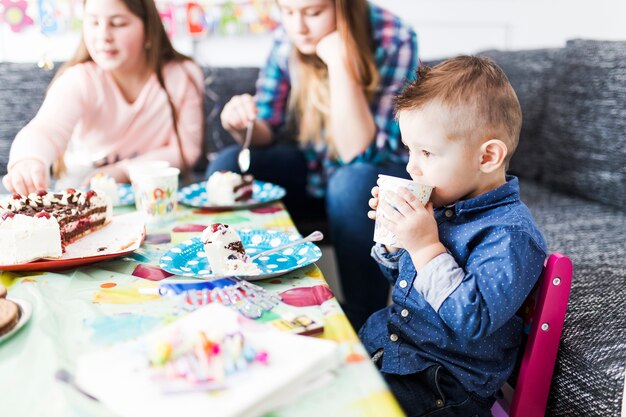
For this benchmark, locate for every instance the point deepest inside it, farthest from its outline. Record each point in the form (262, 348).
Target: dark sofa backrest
(573, 99)
(22, 89)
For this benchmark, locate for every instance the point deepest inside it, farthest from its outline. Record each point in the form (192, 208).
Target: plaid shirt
(396, 59)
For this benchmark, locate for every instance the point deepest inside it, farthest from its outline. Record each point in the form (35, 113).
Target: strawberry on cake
(225, 252)
(225, 188)
(41, 224)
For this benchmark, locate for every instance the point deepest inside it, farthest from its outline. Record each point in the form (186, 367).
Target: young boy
(470, 257)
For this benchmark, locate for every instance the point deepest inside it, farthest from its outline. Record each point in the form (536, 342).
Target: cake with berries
(42, 224)
(225, 252)
(225, 188)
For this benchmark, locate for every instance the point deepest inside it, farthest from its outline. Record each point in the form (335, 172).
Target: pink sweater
(85, 113)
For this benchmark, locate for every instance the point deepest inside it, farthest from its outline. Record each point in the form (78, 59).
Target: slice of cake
(225, 252)
(225, 188)
(35, 226)
(105, 185)
(27, 238)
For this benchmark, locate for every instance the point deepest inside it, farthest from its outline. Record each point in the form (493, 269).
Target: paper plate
(123, 235)
(195, 195)
(188, 258)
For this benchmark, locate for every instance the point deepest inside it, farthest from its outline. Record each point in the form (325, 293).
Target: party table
(91, 307)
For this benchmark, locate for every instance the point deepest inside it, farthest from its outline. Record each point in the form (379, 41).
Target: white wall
(444, 27)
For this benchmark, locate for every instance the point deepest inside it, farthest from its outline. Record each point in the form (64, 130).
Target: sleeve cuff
(438, 279)
(388, 260)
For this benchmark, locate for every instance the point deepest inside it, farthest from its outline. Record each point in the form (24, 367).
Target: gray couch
(572, 163)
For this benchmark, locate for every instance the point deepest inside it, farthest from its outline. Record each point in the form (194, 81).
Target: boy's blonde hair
(309, 100)
(481, 100)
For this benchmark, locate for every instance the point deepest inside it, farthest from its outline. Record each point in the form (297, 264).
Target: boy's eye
(426, 153)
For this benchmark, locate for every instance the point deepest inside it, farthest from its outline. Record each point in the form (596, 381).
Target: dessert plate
(195, 195)
(123, 235)
(188, 258)
(126, 194)
(25, 310)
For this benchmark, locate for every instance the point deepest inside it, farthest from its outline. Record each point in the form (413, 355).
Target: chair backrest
(535, 374)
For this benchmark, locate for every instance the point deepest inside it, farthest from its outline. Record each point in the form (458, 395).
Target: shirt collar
(505, 194)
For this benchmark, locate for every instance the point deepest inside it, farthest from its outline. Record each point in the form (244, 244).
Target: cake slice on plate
(225, 252)
(42, 224)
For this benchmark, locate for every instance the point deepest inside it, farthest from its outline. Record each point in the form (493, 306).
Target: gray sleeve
(386, 259)
(438, 279)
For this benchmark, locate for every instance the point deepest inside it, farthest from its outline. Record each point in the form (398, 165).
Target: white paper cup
(137, 166)
(387, 183)
(155, 194)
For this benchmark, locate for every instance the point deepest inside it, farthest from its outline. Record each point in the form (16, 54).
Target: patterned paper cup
(387, 183)
(155, 194)
(136, 167)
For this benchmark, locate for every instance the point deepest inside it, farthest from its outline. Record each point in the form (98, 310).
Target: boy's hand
(413, 224)
(373, 203)
(27, 176)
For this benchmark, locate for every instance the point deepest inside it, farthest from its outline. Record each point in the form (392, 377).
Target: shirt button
(448, 213)
(403, 284)
(404, 313)
(393, 337)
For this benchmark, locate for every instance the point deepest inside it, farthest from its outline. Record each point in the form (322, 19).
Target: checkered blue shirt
(396, 60)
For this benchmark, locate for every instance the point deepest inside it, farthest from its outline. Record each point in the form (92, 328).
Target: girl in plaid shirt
(324, 126)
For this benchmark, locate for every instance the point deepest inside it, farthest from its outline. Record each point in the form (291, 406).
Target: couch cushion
(584, 132)
(222, 83)
(589, 373)
(23, 89)
(530, 73)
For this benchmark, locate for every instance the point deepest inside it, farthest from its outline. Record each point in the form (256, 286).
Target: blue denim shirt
(460, 309)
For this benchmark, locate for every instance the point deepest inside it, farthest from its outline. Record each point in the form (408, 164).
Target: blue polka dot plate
(195, 195)
(188, 258)
(126, 194)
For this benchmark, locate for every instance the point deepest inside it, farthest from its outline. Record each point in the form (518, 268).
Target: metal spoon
(243, 159)
(313, 237)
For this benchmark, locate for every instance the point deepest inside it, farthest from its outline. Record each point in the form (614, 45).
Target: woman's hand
(330, 49)
(236, 115)
(27, 176)
(413, 224)
(119, 174)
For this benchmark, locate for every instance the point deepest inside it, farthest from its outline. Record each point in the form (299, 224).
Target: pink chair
(546, 309)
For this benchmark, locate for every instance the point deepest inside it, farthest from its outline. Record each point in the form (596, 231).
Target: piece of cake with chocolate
(41, 224)
(225, 188)
(225, 252)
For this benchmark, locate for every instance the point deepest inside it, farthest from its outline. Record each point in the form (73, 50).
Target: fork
(313, 237)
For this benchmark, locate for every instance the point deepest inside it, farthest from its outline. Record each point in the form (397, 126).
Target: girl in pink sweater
(126, 95)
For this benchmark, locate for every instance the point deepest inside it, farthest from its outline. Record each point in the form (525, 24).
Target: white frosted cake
(42, 224)
(105, 185)
(225, 188)
(225, 252)
(27, 238)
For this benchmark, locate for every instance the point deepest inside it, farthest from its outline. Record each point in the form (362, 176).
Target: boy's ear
(492, 155)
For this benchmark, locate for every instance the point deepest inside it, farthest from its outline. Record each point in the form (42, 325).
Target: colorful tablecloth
(95, 306)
